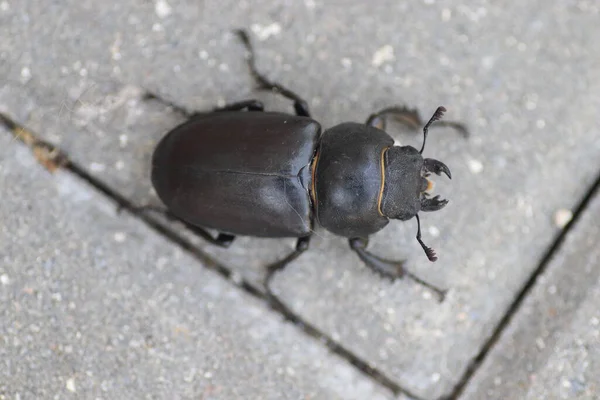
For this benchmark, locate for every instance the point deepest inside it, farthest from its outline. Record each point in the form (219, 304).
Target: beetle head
(406, 185)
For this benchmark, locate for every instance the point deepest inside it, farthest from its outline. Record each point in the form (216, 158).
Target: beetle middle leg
(300, 105)
(409, 118)
(387, 268)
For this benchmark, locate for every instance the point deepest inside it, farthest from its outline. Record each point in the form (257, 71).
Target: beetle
(240, 170)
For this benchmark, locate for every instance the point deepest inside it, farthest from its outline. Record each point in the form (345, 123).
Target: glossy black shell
(243, 173)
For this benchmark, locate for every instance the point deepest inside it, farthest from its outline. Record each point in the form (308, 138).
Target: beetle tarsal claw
(437, 167)
(433, 204)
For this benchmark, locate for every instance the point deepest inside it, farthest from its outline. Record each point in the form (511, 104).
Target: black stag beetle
(242, 171)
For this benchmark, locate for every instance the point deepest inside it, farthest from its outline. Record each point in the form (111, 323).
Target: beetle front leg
(387, 268)
(300, 105)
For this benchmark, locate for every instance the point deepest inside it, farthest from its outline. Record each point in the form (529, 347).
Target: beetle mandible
(242, 171)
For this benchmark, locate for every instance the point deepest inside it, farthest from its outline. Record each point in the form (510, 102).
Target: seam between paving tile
(20, 132)
(523, 293)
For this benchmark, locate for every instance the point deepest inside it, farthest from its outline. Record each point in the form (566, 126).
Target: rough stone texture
(102, 307)
(523, 76)
(551, 350)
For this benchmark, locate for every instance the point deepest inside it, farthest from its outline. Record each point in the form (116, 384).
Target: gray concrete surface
(100, 306)
(551, 350)
(523, 76)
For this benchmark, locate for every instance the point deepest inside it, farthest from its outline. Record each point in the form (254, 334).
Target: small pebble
(386, 53)
(265, 32)
(162, 9)
(562, 217)
(71, 385)
(97, 167)
(475, 166)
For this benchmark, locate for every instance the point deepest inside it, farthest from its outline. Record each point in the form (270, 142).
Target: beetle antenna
(437, 115)
(428, 250)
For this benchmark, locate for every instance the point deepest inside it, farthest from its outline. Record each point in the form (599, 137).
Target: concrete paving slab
(551, 348)
(98, 306)
(492, 65)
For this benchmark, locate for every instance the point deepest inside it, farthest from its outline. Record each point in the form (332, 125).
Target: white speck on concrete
(540, 124)
(4, 6)
(475, 166)
(97, 167)
(120, 237)
(25, 74)
(446, 14)
(562, 217)
(70, 385)
(115, 48)
(487, 62)
(434, 231)
(382, 55)
(539, 342)
(265, 32)
(123, 139)
(346, 63)
(4, 279)
(162, 9)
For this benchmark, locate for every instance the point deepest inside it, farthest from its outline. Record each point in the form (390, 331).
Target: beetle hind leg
(388, 268)
(222, 239)
(302, 245)
(300, 105)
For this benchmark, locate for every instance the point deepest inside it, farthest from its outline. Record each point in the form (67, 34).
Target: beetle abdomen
(238, 172)
(348, 179)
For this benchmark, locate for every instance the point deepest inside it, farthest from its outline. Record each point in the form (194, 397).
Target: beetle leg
(300, 105)
(404, 115)
(387, 268)
(409, 118)
(301, 246)
(222, 239)
(251, 105)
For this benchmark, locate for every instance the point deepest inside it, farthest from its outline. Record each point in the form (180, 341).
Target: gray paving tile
(98, 306)
(551, 349)
(522, 76)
